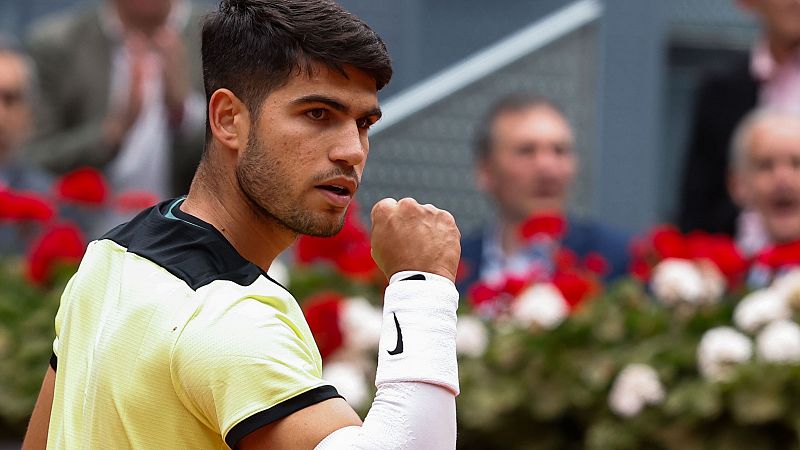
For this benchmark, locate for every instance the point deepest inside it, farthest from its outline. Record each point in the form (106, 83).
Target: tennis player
(171, 335)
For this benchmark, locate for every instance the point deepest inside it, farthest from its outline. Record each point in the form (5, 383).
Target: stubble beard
(263, 182)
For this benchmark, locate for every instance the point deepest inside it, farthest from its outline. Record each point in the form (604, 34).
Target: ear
(737, 189)
(229, 119)
(483, 176)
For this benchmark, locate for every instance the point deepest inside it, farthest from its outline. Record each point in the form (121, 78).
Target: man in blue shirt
(526, 162)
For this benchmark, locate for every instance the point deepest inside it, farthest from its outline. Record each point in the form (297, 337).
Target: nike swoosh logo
(399, 347)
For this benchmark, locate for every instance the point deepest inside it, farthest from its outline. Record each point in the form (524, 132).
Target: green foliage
(549, 389)
(27, 315)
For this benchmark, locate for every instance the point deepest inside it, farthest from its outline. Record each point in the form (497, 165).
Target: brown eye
(317, 114)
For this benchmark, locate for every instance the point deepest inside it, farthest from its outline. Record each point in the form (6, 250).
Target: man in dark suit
(768, 77)
(526, 163)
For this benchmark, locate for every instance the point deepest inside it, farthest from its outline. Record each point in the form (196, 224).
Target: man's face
(307, 149)
(770, 176)
(781, 18)
(145, 13)
(531, 164)
(15, 114)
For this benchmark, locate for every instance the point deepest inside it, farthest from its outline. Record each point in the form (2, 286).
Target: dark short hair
(509, 103)
(254, 46)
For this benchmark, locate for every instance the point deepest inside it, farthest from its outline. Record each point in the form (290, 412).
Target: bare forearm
(36, 437)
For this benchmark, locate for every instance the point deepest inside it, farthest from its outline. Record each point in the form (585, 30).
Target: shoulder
(60, 30)
(588, 235)
(234, 320)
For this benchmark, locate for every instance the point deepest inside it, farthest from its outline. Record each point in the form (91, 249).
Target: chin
(785, 232)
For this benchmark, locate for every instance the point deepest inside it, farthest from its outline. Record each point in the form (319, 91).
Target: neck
(509, 235)
(220, 202)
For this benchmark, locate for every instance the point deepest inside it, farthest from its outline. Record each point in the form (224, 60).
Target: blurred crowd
(118, 87)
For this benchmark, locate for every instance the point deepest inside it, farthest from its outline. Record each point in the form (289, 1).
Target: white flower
(278, 272)
(779, 342)
(788, 283)
(349, 380)
(361, 324)
(714, 283)
(720, 349)
(759, 308)
(636, 386)
(540, 305)
(471, 337)
(678, 281)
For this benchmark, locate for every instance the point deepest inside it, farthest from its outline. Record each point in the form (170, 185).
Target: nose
(350, 147)
(545, 160)
(785, 172)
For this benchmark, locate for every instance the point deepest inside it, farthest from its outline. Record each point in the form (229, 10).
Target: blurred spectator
(766, 171)
(122, 91)
(526, 163)
(16, 92)
(768, 77)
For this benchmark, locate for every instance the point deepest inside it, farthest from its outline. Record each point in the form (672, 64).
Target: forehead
(353, 88)
(535, 122)
(781, 133)
(13, 70)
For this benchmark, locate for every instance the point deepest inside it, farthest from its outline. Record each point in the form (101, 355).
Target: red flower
(565, 259)
(781, 255)
(18, 206)
(669, 243)
(575, 288)
(60, 244)
(322, 313)
(495, 299)
(721, 250)
(85, 186)
(349, 251)
(482, 293)
(640, 269)
(596, 263)
(550, 225)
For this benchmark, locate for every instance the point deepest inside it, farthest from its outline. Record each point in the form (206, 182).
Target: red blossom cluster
(576, 278)
(667, 242)
(780, 256)
(23, 207)
(349, 251)
(62, 242)
(322, 312)
(59, 244)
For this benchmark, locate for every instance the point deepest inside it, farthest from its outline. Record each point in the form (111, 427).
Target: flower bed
(679, 355)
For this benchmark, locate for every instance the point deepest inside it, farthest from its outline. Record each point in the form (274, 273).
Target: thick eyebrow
(333, 103)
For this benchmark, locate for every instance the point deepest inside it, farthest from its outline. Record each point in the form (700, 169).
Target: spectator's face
(145, 13)
(15, 114)
(531, 164)
(781, 18)
(306, 151)
(770, 177)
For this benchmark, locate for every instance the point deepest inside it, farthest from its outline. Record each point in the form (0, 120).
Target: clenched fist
(410, 236)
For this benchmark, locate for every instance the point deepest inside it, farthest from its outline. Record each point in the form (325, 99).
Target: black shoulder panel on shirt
(189, 248)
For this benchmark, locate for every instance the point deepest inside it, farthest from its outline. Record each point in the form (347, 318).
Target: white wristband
(418, 335)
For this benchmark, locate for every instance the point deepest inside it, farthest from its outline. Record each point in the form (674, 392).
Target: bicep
(36, 437)
(304, 429)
